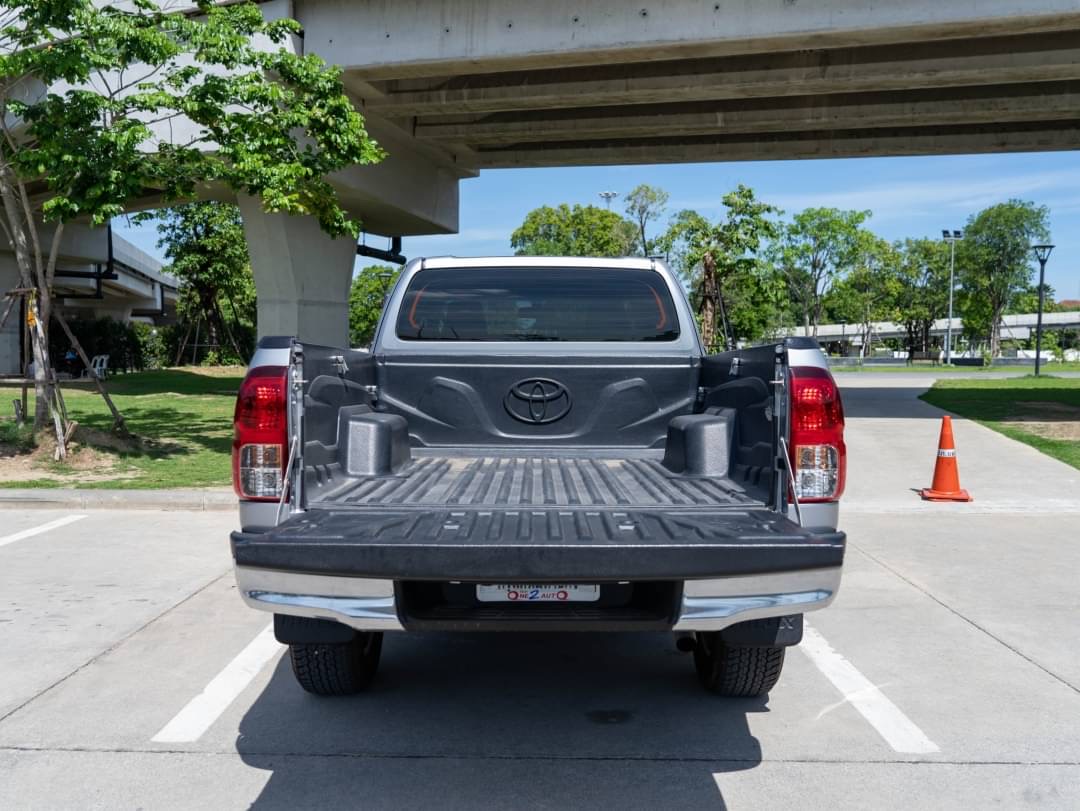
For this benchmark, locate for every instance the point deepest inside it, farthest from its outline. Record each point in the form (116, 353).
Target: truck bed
(535, 481)
(549, 518)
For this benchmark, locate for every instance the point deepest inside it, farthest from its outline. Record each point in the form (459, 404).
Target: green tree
(720, 262)
(204, 243)
(994, 263)
(819, 246)
(577, 231)
(645, 204)
(923, 295)
(103, 105)
(870, 290)
(369, 290)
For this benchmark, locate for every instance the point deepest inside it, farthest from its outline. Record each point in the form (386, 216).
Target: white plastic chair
(100, 365)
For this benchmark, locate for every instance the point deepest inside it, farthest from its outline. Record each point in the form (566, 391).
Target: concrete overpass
(95, 277)
(520, 83)
(451, 89)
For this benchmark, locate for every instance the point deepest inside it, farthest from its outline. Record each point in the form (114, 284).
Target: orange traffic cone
(946, 486)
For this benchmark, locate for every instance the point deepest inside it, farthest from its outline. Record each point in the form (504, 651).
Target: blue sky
(909, 197)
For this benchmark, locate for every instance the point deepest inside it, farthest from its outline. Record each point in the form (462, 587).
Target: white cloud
(956, 193)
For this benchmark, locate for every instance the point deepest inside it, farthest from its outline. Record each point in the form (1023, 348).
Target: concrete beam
(1048, 101)
(1061, 135)
(999, 60)
(412, 38)
(413, 191)
(302, 276)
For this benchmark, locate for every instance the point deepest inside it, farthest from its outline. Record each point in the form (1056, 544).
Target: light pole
(952, 237)
(608, 197)
(1042, 253)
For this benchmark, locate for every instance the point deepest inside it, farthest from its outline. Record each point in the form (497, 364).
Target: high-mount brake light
(818, 453)
(261, 435)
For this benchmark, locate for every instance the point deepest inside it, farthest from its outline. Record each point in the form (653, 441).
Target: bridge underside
(522, 84)
(454, 88)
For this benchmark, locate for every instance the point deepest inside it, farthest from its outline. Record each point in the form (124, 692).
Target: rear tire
(736, 670)
(337, 669)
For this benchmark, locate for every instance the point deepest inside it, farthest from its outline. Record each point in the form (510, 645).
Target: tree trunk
(708, 302)
(729, 342)
(996, 310)
(17, 226)
(182, 346)
(228, 332)
(118, 421)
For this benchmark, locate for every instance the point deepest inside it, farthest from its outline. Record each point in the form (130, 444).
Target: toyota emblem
(537, 400)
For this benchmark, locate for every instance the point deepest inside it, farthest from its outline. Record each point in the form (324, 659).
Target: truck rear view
(538, 444)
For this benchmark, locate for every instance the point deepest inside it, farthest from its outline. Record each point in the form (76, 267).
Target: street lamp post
(952, 237)
(608, 196)
(1042, 253)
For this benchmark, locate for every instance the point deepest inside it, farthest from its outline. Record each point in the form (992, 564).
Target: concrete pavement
(961, 616)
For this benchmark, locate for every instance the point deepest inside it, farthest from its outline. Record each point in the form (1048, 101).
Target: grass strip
(1042, 412)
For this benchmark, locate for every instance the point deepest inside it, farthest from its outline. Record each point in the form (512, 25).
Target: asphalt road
(945, 674)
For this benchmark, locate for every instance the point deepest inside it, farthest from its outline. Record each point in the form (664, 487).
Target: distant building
(98, 275)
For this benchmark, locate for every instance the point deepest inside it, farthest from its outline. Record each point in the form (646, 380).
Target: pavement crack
(114, 646)
(14, 749)
(966, 619)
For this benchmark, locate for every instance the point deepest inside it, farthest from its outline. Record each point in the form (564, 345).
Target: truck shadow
(892, 402)
(507, 720)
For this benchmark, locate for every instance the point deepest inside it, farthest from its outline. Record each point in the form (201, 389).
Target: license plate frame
(537, 593)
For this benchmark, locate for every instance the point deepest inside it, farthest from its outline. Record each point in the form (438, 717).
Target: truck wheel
(337, 669)
(736, 670)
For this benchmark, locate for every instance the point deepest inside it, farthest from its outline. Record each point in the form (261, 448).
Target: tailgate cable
(791, 479)
(286, 484)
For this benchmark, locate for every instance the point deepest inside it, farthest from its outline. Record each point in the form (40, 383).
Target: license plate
(532, 593)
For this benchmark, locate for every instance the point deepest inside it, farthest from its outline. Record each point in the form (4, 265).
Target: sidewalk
(892, 446)
(215, 498)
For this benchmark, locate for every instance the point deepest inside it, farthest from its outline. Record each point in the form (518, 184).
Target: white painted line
(897, 729)
(201, 712)
(29, 533)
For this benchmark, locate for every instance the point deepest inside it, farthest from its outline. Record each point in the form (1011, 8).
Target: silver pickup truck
(538, 443)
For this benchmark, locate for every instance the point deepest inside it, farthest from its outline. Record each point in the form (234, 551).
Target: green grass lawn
(181, 417)
(1044, 412)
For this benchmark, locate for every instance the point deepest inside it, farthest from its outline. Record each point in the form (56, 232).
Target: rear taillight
(818, 454)
(261, 435)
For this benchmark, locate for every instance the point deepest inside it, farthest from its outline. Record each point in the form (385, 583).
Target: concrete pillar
(302, 276)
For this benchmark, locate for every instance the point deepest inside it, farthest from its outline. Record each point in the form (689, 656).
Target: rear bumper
(693, 570)
(369, 604)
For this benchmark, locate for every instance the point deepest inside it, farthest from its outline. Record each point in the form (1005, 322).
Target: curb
(190, 500)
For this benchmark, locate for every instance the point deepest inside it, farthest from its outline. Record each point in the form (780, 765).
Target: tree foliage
(644, 205)
(103, 105)
(369, 290)
(577, 231)
(870, 290)
(720, 262)
(815, 249)
(994, 262)
(204, 243)
(923, 294)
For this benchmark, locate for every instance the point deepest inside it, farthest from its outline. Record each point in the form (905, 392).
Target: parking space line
(897, 729)
(29, 533)
(201, 712)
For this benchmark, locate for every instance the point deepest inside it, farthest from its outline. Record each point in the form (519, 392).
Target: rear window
(537, 304)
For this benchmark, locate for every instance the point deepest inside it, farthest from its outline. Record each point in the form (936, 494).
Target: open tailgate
(493, 545)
